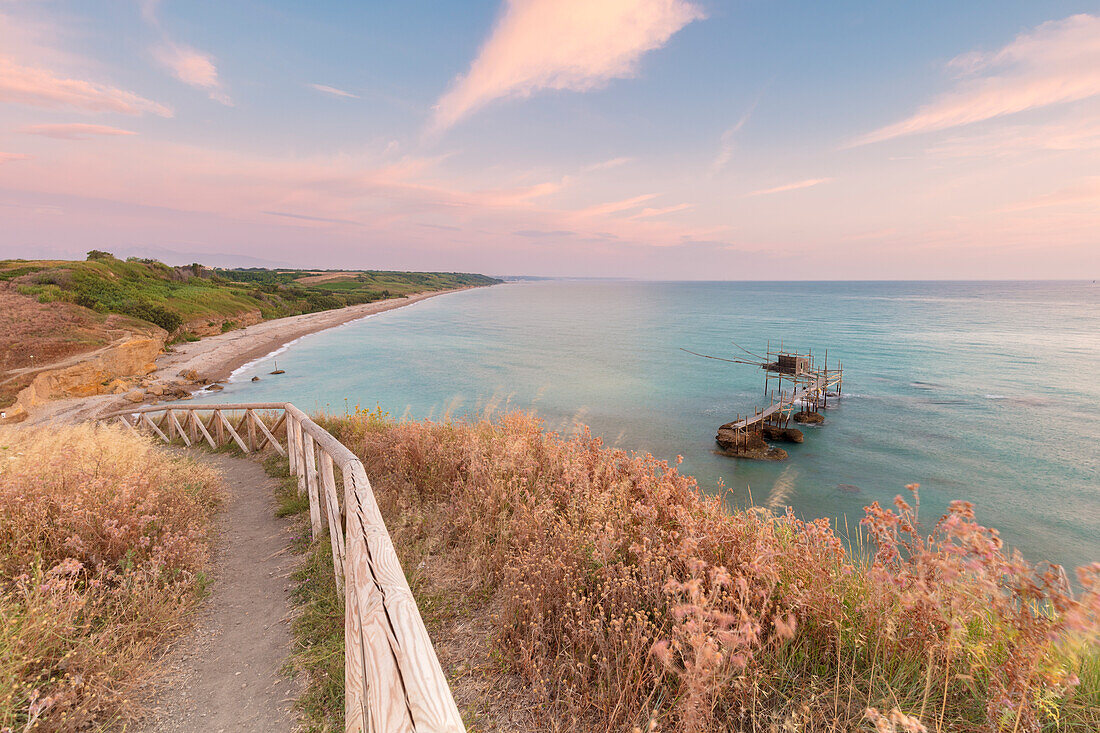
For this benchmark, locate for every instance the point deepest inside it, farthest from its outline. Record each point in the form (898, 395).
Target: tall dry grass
(103, 547)
(629, 600)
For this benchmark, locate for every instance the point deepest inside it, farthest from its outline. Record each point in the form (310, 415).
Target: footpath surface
(225, 674)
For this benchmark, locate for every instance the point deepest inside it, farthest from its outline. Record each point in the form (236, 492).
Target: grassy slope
(172, 297)
(56, 308)
(103, 551)
(623, 599)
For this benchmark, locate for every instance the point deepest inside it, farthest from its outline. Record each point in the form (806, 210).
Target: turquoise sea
(988, 392)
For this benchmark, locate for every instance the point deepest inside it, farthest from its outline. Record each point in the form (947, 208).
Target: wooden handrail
(392, 677)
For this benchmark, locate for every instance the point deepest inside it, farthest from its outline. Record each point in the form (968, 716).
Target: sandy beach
(216, 357)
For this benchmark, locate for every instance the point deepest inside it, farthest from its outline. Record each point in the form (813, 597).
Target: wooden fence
(392, 678)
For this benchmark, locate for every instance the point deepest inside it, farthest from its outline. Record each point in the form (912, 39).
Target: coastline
(215, 358)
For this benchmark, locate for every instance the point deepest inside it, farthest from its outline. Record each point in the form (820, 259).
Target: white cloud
(43, 88)
(562, 44)
(333, 91)
(1057, 62)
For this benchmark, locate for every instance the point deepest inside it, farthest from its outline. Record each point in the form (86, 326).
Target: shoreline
(217, 357)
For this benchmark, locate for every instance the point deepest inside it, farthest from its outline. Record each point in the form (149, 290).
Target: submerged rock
(808, 418)
(788, 435)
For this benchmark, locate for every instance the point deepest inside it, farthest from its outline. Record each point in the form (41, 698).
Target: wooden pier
(810, 388)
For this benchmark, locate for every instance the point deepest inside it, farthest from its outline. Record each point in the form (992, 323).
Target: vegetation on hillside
(103, 548)
(613, 595)
(175, 297)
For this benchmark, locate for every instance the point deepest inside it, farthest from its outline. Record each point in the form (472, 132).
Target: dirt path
(225, 675)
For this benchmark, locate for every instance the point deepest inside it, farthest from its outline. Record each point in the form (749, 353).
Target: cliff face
(131, 354)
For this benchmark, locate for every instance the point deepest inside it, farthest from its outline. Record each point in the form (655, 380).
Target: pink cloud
(577, 45)
(1085, 194)
(650, 212)
(612, 207)
(1004, 141)
(194, 68)
(790, 186)
(43, 88)
(1057, 62)
(74, 131)
(9, 157)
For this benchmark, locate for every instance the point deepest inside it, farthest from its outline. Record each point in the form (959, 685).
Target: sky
(656, 139)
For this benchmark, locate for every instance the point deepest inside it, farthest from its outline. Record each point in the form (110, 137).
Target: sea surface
(988, 392)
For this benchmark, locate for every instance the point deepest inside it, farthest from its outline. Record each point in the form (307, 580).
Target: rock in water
(750, 446)
(255, 379)
(789, 435)
(808, 418)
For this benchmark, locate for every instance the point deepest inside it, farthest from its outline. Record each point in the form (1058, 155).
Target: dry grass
(625, 599)
(103, 547)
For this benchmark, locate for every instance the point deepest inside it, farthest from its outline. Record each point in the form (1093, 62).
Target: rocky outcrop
(747, 445)
(808, 418)
(787, 435)
(101, 372)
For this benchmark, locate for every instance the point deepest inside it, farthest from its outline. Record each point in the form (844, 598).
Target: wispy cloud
(43, 88)
(1085, 193)
(194, 68)
(306, 217)
(74, 131)
(191, 66)
(1057, 62)
(612, 207)
(326, 89)
(790, 186)
(10, 157)
(606, 164)
(651, 212)
(727, 144)
(1077, 134)
(577, 45)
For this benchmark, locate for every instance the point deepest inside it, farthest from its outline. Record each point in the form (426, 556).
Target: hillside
(57, 310)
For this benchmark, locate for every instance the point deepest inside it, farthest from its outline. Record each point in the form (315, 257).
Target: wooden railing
(392, 678)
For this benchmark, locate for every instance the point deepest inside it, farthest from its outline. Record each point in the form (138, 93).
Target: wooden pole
(311, 486)
(335, 528)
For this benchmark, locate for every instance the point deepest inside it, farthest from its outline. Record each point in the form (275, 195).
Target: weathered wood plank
(332, 510)
(374, 689)
(153, 426)
(125, 421)
(300, 466)
(202, 429)
(311, 487)
(268, 436)
(233, 433)
(291, 444)
(179, 428)
(427, 693)
(251, 416)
